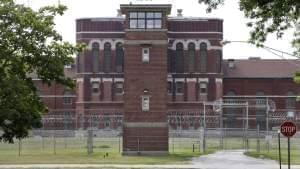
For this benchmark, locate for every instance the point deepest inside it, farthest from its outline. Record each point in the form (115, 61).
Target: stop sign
(288, 129)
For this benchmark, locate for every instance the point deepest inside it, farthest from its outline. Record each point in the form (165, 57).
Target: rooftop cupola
(145, 16)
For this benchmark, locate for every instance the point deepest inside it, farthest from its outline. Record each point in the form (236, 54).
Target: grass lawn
(274, 155)
(73, 151)
(96, 158)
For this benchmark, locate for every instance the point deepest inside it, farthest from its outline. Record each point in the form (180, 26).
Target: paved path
(219, 160)
(234, 160)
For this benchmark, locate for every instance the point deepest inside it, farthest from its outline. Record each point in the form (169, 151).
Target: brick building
(154, 73)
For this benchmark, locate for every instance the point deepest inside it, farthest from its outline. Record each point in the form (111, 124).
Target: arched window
(107, 57)
(191, 57)
(95, 56)
(179, 58)
(119, 58)
(290, 101)
(203, 57)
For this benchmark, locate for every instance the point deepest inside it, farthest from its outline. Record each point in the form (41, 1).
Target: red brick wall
(275, 87)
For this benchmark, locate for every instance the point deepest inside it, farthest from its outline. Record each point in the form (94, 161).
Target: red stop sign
(288, 129)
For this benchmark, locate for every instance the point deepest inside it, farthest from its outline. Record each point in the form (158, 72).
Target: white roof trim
(191, 79)
(95, 79)
(179, 79)
(203, 80)
(119, 79)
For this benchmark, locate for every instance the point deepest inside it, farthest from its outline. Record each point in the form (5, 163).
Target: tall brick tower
(145, 72)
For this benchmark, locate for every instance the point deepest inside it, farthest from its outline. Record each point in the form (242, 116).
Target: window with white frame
(145, 103)
(179, 87)
(203, 88)
(95, 88)
(145, 55)
(119, 87)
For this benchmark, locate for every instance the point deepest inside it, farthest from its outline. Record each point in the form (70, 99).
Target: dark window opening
(119, 58)
(191, 57)
(179, 87)
(179, 58)
(107, 57)
(145, 20)
(95, 87)
(119, 87)
(203, 88)
(203, 57)
(95, 56)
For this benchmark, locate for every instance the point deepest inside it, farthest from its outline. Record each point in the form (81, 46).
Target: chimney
(119, 13)
(179, 12)
(231, 64)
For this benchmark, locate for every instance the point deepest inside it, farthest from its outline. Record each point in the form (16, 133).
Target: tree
(267, 16)
(28, 44)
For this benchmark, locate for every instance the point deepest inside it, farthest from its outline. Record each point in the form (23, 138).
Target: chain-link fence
(229, 124)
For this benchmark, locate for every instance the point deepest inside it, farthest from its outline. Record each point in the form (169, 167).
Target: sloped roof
(68, 71)
(261, 68)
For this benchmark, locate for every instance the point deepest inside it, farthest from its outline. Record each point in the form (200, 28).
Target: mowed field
(273, 152)
(72, 150)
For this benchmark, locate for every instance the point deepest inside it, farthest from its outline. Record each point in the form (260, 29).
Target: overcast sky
(234, 22)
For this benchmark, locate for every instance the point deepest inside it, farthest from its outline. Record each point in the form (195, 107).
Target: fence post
(54, 143)
(138, 146)
(90, 142)
(221, 129)
(173, 144)
(43, 142)
(119, 143)
(204, 128)
(20, 146)
(258, 141)
(193, 147)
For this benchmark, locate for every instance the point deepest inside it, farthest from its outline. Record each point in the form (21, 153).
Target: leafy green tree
(29, 44)
(267, 16)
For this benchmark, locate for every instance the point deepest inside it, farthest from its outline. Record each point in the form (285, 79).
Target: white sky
(234, 22)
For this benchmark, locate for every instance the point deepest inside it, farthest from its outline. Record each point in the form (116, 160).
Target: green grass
(73, 151)
(273, 153)
(96, 158)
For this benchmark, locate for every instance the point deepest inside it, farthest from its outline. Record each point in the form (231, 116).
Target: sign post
(288, 129)
(279, 149)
